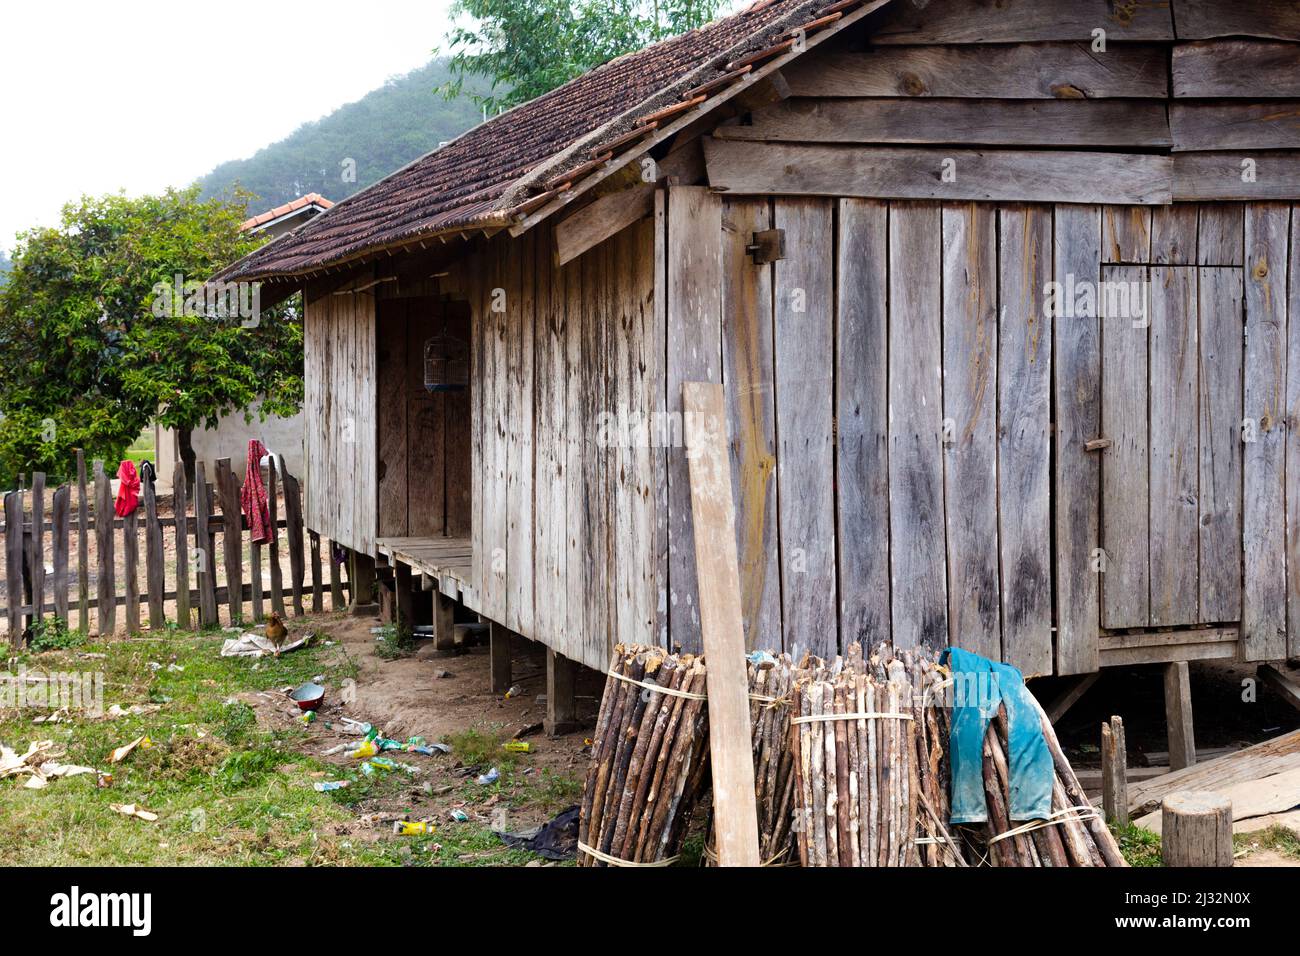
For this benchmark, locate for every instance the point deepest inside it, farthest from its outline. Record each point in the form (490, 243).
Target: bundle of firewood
(869, 738)
(851, 768)
(649, 761)
(1076, 834)
(771, 701)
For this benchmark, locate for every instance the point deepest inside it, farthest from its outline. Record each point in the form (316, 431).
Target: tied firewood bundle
(649, 759)
(771, 700)
(1074, 835)
(869, 738)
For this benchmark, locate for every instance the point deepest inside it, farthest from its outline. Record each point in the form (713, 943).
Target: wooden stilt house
(1004, 296)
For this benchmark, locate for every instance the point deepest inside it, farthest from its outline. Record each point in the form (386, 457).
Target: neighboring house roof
(515, 164)
(312, 203)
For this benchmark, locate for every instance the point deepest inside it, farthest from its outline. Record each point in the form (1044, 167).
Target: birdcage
(446, 364)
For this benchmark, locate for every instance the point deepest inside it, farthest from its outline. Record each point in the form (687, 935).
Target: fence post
(83, 547)
(255, 567)
(14, 564)
(59, 532)
(203, 543)
(232, 533)
(154, 574)
(293, 516)
(36, 557)
(317, 598)
(180, 504)
(273, 552)
(131, 569)
(106, 593)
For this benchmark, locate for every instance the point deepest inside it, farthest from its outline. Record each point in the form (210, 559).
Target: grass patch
(393, 642)
(52, 634)
(1276, 838)
(1140, 846)
(228, 790)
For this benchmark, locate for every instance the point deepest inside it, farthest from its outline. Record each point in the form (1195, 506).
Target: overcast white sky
(143, 94)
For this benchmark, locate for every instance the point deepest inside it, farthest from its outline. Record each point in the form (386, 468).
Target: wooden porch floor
(446, 563)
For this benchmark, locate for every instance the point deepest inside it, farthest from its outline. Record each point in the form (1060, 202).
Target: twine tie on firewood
(1053, 819)
(657, 688)
(867, 715)
(615, 861)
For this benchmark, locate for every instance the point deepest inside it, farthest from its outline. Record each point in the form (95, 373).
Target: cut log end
(1196, 829)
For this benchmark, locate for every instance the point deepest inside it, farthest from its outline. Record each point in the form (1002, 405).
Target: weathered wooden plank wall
(1024, 424)
(1076, 482)
(970, 425)
(862, 419)
(564, 495)
(1263, 612)
(748, 369)
(339, 437)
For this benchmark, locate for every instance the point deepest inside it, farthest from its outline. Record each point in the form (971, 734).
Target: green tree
(96, 344)
(529, 47)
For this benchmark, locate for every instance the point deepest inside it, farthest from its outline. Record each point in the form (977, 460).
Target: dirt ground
(441, 699)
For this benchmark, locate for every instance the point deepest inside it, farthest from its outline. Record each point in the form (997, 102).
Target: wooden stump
(1196, 829)
(1114, 772)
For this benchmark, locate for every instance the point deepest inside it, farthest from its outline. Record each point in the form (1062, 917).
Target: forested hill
(381, 132)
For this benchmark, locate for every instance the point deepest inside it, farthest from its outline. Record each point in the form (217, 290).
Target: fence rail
(193, 592)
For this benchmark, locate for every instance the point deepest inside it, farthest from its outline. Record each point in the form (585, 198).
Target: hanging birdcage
(446, 364)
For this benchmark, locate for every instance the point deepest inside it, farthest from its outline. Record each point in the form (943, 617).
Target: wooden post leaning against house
(735, 811)
(131, 568)
(561, 704)
(1178, 715)
(273, 549)
(232, 538)
(293, 518)
(14, 565)
(205, 561)
(59, 531)
(155, 576)
(1114, 772)
(36, 556)
(105, 590)
(83, 547)
(180, 504)
(1196, 829)
(317, 589)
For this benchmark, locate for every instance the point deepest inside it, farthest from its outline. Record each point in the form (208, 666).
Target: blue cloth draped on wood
(979, 686)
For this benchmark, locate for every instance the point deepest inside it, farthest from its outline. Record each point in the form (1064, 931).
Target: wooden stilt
(499, 655)
(1178, 715)
(363, 581)
(561, 704)
(444, 622)
(404, 599)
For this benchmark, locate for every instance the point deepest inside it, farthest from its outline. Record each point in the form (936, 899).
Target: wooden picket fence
(193, 594)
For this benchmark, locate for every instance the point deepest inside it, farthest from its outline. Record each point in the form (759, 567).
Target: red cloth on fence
(253, 494)
(128, 489)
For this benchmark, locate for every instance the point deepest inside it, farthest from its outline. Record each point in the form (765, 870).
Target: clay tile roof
(497, 170)
(308, 200)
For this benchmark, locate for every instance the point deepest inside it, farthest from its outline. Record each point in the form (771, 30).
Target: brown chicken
(276, 632)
